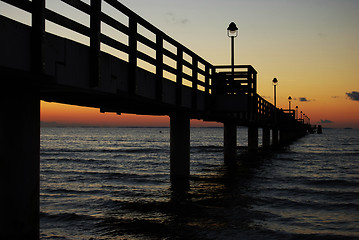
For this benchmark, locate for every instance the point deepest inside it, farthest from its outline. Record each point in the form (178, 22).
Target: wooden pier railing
(162, 55)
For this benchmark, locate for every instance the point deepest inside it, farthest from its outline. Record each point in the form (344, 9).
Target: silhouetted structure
(36, 65)
(319, 129)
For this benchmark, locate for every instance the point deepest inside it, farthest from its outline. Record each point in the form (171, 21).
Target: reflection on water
(114, 184)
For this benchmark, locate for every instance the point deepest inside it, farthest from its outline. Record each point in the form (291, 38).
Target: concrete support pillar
(266, 137)
(252, 138)
(180, 150)
(283, 137)
(230, 141)
(19, 161)
(275, 137)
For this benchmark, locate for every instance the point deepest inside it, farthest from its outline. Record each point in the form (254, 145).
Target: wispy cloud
(172, 18)
(267, 97)
(354, 95)
(325, 121)
(303, 99)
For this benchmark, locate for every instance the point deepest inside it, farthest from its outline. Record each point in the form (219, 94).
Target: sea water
(114, 183)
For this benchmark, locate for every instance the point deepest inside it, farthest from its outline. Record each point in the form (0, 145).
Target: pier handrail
(188, 67)
(200, 70)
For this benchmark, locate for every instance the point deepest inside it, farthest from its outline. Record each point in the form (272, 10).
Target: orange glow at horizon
(329, 114)
(62, 114)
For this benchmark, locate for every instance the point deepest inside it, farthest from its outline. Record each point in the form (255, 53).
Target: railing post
(159, 65)
(266, 137)
(275, 136)
(95, 31)
(254, 79)
(132, 55)
(179, 76)
(194, 81)
(253, 137)
(37, 32)
(207, 86)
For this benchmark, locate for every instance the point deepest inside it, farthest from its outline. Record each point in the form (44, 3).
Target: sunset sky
(310, 46)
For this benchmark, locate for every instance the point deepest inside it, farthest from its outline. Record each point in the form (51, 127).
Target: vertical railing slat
(159, 66)
(179, 76)
(37, 36)
(207, 87)
(132, 55)
(95, 30)
(194, 81)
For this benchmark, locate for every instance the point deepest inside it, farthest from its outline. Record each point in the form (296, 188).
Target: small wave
(209, 148)
(135, 150)
(91, 161)
(333, 183)
(74, 192)
(54, 151)
(298, 203)
(66, 216)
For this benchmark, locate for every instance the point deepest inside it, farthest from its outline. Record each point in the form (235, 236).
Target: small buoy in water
(160, 131)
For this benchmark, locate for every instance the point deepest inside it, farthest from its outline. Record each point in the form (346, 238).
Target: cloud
(303, 99)
(172, 18)
(325, 121)
(354, 95)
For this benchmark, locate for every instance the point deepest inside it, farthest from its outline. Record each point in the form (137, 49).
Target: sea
(114, 183)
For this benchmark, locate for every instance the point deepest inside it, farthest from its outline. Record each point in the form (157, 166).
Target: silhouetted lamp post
(289, 101)
(275, 83)
(232, 32)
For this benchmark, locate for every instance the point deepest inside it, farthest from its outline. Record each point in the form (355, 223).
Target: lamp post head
(275, 81)
(289, 98)
(232, 30)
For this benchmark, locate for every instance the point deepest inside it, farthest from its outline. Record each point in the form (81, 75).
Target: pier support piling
(20, 162)
(275, 137)
(180, 151)
(284, 136)
(230, 141)
(252, 138)
(266, 137)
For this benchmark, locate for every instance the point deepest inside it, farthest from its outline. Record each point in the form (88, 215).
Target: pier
(37, 65)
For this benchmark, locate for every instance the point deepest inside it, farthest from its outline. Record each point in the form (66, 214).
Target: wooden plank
(122, 8)
(114, 23)
(146, 58)
(24, 5)
(169, 54)
(146, 41)
(79, 5)
(66, 22)
(169, 69)
(113, 43)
